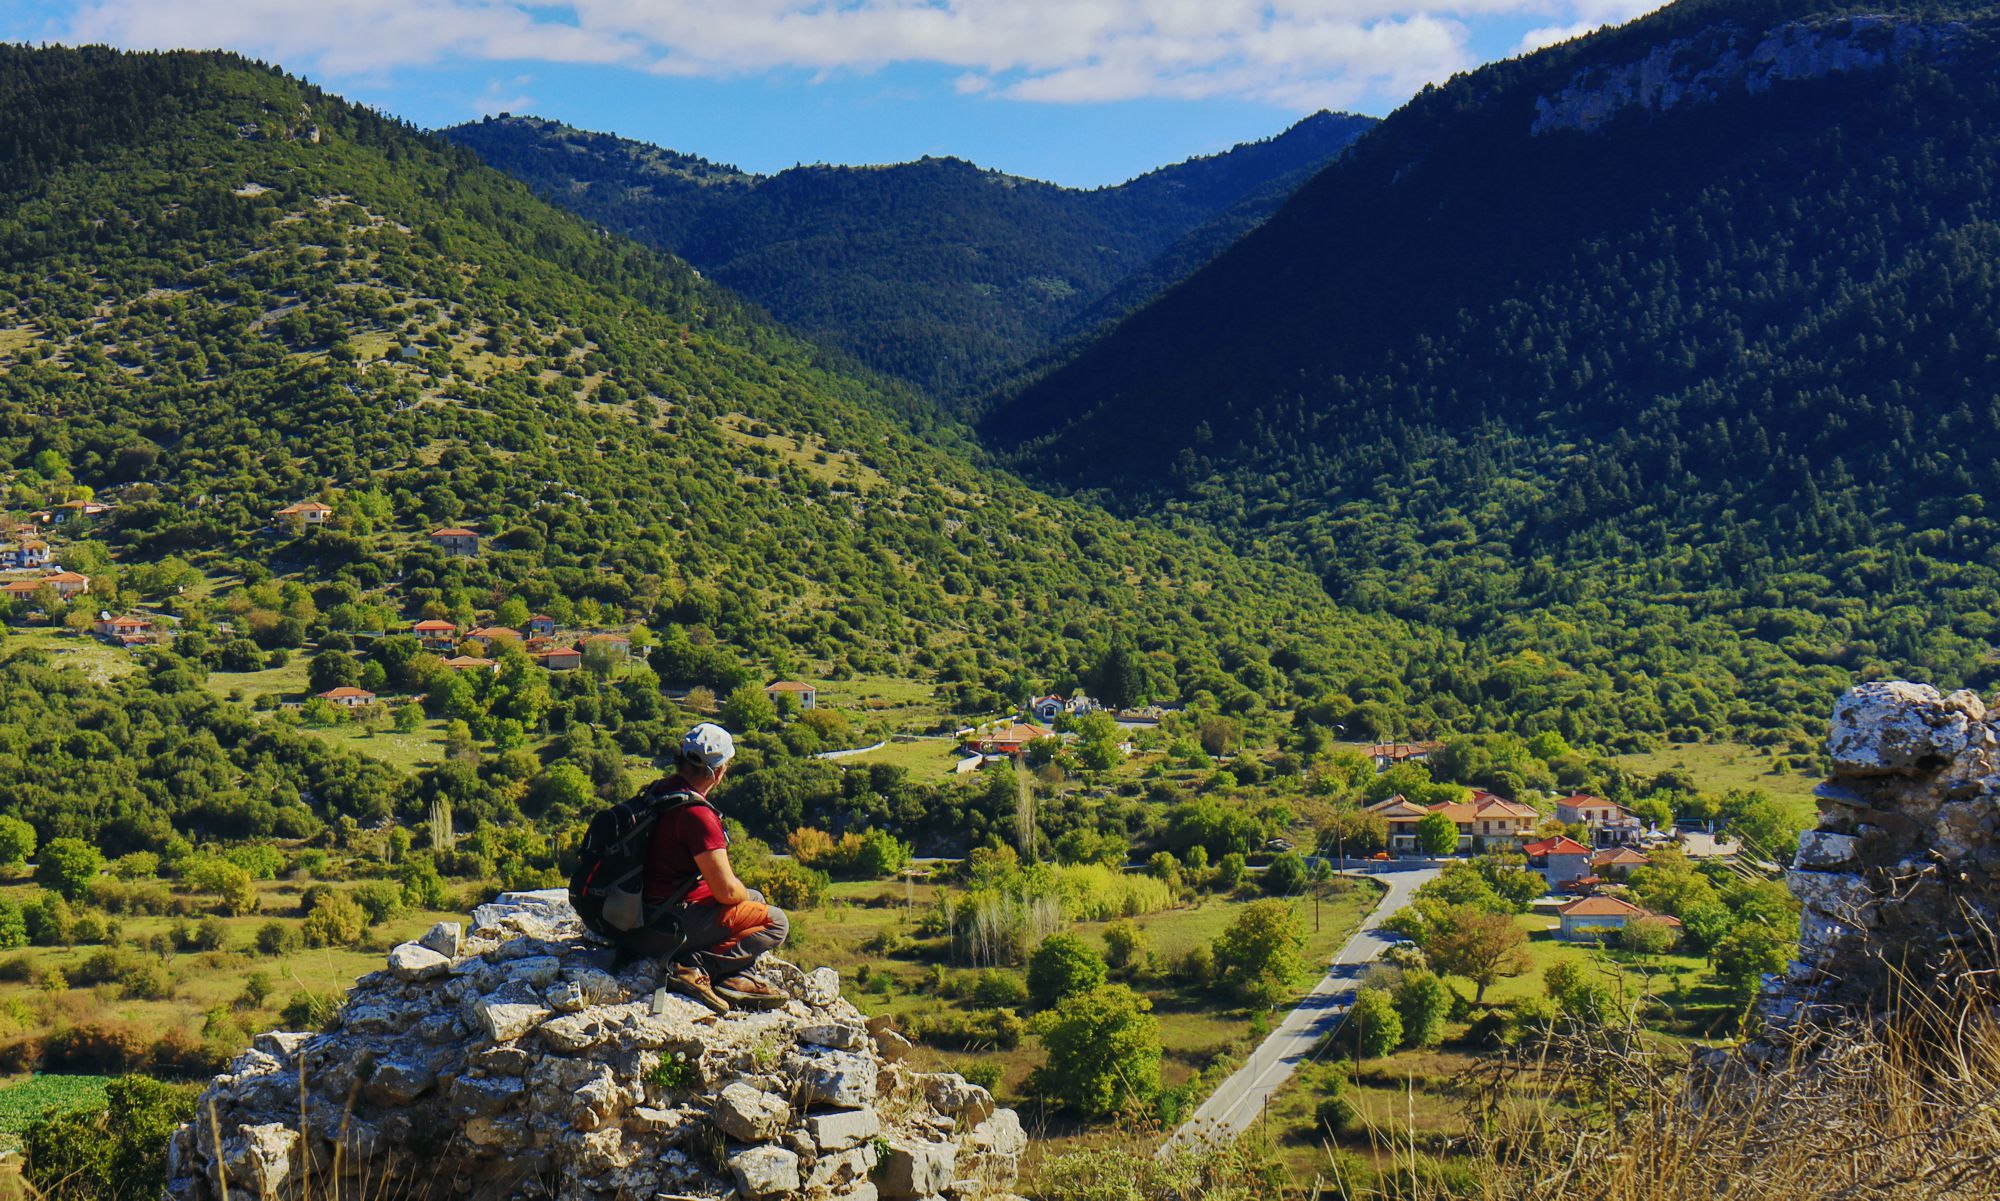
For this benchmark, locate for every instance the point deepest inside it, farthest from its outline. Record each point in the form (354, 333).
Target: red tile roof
(789, 686)
(454, 532)
(1618, 857)
(345, 691)
(1559, 845)
(1601, 907)
(435, 626)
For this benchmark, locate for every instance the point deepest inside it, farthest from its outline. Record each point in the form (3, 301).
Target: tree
(1103, 1050)
(17, 842)
(67, 866)
(1373, 1019)
(1648, 936)
(1353, 831)
(1578, 996)
(1481, 946)
(1125, 944)
(336, 921)
(1748, 952)
(1437, 834)
(1423, 1003)
(1286, 875)
(1229, 873)
(748, 710)
(1261, 956)
(112, 1153)
(1062, 965)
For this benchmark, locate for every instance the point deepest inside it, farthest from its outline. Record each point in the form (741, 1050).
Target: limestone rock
(1893, 726)
(765, 1171)
(750, 1115)
(528, 1069)
(1822, 849)
(414, 962)
(443, 938)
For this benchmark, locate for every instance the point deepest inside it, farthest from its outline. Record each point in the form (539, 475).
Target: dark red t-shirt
(681, 835)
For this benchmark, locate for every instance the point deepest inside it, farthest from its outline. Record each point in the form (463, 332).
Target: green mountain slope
(222, 291)
(935, 271)
(1663, 350)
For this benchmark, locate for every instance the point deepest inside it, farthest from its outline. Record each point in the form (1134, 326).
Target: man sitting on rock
(726, 924)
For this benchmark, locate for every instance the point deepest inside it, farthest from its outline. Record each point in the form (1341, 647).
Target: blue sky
(1083, 92)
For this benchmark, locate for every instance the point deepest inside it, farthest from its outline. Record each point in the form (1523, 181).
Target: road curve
(1238, 1101)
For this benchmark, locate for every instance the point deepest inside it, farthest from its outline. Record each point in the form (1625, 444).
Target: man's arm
(722, 882)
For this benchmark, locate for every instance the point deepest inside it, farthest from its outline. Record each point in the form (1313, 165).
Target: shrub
(1124, 944)
(1423, 1003)
(1196, 966)
(999, 989)
(1063, 965)
(336, 921)
(17, 841)
(262, 860)
(1373, 1021)
(49, 920)
(100, 1048)
(109, 1153)
(67, 866)
(277, 938)
(983, 1072)
(379, 900)
(13, 926)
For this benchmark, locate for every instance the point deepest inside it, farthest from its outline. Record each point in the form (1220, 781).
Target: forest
(1685, 395)
(938, 272)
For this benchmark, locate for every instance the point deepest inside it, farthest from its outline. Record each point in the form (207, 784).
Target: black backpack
(611, 862)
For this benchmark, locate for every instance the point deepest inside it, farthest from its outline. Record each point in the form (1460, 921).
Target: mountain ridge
(939, 271)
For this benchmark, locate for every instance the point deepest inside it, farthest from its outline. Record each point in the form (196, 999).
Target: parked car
(1278, 845)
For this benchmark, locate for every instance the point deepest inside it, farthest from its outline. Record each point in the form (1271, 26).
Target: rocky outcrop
(1725, 59)
(1900, 882)
(521, 1062)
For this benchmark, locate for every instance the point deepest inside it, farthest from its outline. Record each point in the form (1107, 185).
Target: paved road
(1238, 1101)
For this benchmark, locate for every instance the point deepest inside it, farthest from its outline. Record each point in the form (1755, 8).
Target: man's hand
(721, 878)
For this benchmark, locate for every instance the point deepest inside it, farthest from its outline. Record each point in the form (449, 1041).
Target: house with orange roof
(1561, 860)
(561, 658)
(1489, 821)
(1388, 754)
(1616, 862)
(124, 630)
(541, 625)
(304, 513)
(456, 540)
(1588, 918)
(1010, 739)
(436, 634)
(1402, 815)
(1608, 822)
(28, 553)
(347, 696)
(804, 694)
(471, 663)
(68, 584)
(489, 636)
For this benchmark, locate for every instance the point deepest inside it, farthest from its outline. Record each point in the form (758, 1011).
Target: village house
(1608, 823)
(65, 583)
(1616, 863)
(1562, 860)
(805, 695)
(1402, 816)
(70, 510)
(27, 553)
(435, 634)
(1047, 708)
(1010, 739)
(456, 540)
(1388, 754)
(486, 636)
(347, 696)
(562, 658)
(1488, 821)
(123, 631)
(304, 513)
(1590, 918)
(471, 663)
(541, 625)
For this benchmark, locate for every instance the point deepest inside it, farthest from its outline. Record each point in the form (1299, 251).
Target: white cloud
(1593, 15)
(1295, 53)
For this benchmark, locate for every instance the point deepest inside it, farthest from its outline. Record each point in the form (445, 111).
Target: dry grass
(1904, 1108)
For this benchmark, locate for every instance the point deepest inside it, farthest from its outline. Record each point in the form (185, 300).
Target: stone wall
(514, 1063)
(1901, 879)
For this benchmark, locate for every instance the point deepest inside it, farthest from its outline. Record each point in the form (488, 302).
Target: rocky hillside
(938, 271)
(514, 1063)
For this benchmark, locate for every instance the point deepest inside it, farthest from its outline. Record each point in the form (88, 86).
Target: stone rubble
(1901, 880)
(514, 1062)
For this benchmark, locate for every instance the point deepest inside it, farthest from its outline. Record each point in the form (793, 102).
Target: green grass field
(99, 661)
(26, 1098)
(1722, 766)
(925, 759)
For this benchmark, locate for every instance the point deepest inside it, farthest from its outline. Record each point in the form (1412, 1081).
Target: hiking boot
(691, 980)
(750, 992)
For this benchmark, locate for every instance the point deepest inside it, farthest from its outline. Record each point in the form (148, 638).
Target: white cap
(709, 745)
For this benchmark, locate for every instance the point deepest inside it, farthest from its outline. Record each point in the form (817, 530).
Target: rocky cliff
(514, 1063)
(1726, 59)
(1900, 882)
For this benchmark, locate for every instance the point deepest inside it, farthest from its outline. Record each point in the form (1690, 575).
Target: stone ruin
(515, 1063)
(1901, 879)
